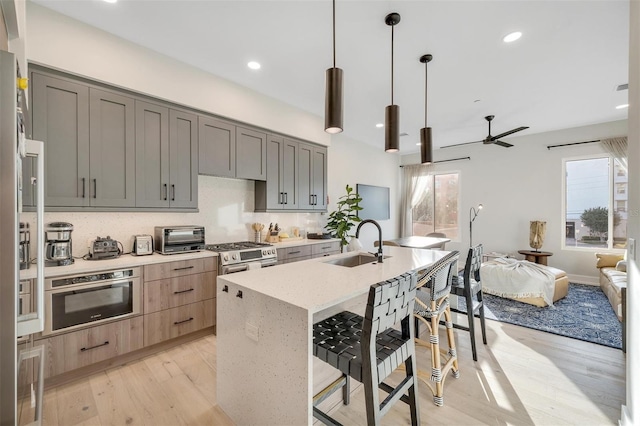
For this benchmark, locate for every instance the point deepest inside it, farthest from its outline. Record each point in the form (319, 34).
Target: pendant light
(333, 90)
(392, 112)
(426, 146)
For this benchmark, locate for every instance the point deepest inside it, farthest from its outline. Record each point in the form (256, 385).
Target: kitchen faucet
(379, 235)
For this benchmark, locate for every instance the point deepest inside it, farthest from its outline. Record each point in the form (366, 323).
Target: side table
(539, 257)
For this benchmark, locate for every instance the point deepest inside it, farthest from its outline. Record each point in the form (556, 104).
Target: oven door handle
(234, 268)
(85, 286)
(269, 262)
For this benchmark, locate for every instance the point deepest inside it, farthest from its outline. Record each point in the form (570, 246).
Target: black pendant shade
(392, 112)
(333, 91)
(392, 128)
(426, 145)
(333, 101)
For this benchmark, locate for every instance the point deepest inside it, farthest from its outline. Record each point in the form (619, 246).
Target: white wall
(226, 205)
(520, 184)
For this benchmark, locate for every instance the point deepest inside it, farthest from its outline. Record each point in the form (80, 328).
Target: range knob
(234, 257)
(226, 257)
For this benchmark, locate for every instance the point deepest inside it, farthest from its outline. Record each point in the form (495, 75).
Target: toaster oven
(178, 239)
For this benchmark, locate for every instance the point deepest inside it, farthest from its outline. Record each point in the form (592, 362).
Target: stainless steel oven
(243, 256)
(74, 301)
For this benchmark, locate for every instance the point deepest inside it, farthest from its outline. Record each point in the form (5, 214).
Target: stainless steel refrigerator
(21, 359)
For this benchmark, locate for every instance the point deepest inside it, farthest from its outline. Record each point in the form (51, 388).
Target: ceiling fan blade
(501, 135)
(460, 144)
(504, 144)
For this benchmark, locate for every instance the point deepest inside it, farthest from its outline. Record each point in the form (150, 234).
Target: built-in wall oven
(243, 256)
(74, 301)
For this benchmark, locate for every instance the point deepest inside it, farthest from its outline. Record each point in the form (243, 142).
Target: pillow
(621, 266)
(605, 259)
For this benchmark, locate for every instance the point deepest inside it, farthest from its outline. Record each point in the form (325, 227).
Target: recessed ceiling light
(110, 1)
(623, 106)
(254, 65)
(418, 144)
(512, 37)
(379, 125)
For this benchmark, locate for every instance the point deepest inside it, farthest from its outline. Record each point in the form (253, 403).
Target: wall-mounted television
(375, 202)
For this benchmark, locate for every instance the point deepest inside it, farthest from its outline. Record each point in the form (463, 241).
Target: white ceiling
(562, 73)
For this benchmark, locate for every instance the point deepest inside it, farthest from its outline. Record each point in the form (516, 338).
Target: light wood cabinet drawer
(179, 268)
(325, 249)
(80, 348)
(298, 259)
(172, 292)
(175, 322)
(288, 253)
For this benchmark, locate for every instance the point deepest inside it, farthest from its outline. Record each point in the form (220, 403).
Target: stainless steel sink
(355, 260)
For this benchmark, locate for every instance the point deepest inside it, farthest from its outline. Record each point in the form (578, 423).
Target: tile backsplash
(225, 210)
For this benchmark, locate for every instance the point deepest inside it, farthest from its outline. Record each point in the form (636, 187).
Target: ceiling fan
(493, 139)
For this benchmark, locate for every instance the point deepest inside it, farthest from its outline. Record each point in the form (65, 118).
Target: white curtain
(414, 185)
(617, 147)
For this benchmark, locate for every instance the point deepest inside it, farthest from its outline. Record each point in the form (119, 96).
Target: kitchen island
(265, 363)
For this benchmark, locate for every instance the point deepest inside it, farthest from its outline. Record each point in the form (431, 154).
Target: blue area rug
(585, 314)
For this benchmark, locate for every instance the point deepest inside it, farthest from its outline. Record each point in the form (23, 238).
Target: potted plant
(345, 216)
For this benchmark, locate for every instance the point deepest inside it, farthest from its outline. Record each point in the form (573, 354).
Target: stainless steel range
(242, 256)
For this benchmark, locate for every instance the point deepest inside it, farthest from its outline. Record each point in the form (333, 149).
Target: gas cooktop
(243, 245)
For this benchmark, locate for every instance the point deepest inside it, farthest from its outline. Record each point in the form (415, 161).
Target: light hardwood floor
(522, 377)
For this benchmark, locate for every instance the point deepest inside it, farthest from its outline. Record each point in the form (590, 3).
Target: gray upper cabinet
(183, 159)
(60, 117)
(312, 175)
(251, 154)
(152, 155)
(112, 150)
(280, 190)
(166, 157)
(217, 147)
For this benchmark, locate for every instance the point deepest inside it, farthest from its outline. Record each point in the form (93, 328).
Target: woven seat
(469, 286)
(432, 302)
(369, 349)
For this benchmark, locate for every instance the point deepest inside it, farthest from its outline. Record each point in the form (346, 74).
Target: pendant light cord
(334, 33)
(392, 65)
(426, 80)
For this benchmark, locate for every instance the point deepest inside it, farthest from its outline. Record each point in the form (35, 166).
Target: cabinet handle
(173, 192)
(183, 321)
(183, 291)
(95, 188)
(225, 288)
(280, 198)
(165, 191)
(182, 269)
(286, 198)
(239, 294)
(83, 187)
(294, 252)
(315, 200)
(94, 347)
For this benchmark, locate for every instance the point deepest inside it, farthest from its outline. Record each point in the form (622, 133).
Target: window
(437, 207)
(595, 203)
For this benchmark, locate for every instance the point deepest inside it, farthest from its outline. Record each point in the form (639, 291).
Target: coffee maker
(58, 244)
(25, 246)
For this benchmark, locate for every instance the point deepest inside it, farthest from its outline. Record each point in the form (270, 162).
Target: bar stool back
(369, 349)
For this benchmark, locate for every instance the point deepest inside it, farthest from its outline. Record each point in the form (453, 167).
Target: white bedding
(511, 278)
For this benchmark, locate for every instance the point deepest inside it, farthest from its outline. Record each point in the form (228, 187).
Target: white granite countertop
(303, 242)
(315, 284)
(81, 266)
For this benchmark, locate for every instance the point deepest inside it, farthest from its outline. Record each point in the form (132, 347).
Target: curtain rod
(441, 161)
(569, 144)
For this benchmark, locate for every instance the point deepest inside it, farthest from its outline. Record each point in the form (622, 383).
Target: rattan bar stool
(432, 302)
(369, 349)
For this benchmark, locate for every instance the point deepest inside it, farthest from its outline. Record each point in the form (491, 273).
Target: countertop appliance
(142, 245)
(21, 366)
(58, 251)
(25, 246)
(179, 239)
(242, 256)
(104, 248)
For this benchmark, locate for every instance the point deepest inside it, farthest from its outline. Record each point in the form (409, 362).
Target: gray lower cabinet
(228, 150)
(166, 157)
(280, 190)
(312, 175)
